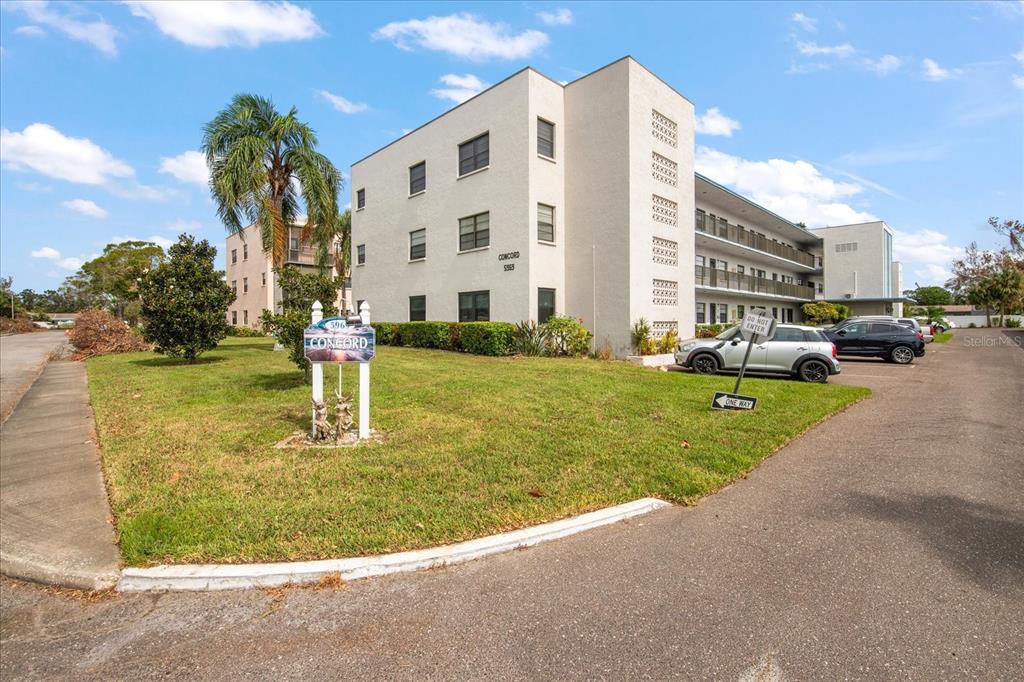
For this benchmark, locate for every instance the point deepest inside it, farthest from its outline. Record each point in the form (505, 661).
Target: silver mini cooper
(803, 353)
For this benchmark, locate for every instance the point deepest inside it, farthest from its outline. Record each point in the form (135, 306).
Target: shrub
(387, 333)
(185, 301)
(641, 337)
(21, 324)
(566, 336)
(424, 335)
(706, 331)
(246, 332)
(821, 312)
(972, 326)
(843, 310)
(1013, 323)
(300, 291)
(487, 338)
(529, 338)
(97, 332)
(455, 336)
(668, 342)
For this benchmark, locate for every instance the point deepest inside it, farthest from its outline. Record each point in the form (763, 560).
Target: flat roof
(727, 196)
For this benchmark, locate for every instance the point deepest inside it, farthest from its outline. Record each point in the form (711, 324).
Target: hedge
(478, 338)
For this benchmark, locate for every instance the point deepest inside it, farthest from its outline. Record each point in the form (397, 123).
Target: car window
(855, 328)
(788, 334)
(815, 336)
(728, 334)
(884, 328)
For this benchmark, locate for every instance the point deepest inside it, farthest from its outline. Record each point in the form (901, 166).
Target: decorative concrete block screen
(660, 328)
(663, 128)
(664, 251)
(664, 169)
(664, 210)
(665, 292)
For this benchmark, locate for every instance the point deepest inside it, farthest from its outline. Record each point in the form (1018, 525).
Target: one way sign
(732, 401)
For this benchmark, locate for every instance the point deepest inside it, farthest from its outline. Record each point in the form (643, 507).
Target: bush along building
(534, 198)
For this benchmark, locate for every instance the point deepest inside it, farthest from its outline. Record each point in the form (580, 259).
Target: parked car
(927, 333)
(877, 338)
(803, 353)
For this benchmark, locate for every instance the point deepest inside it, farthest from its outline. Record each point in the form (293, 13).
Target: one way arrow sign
(732, 401)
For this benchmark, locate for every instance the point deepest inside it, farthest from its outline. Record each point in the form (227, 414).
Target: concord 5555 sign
(333, 340)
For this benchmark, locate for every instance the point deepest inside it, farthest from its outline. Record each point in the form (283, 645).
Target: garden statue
(321, 428)
(343, 415)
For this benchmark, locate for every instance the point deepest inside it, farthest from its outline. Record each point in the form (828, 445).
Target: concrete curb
(239, 576)
(21, 568)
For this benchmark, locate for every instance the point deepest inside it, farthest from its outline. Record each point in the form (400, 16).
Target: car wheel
(902, 355)
(813, 371)
(705, 363)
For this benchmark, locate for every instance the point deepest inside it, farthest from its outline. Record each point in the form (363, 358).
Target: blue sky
(824, 112)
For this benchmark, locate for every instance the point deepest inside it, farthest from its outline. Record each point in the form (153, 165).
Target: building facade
(249, 271)
(861, 272)
(535, 197)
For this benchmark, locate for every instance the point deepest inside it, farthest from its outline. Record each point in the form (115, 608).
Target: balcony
(734, 281)
(737, 234)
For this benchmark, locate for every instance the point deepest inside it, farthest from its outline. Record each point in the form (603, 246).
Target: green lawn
(943, 337)
(475, 445)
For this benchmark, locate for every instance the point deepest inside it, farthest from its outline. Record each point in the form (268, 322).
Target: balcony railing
(738, 234)
(721, 279)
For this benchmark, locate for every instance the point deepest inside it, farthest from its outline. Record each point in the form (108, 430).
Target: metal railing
(741, 235)
(722, 279)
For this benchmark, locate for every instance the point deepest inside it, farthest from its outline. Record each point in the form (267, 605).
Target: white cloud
(463, 35)
(813, 49)
(1018, 82)
(934, 72)
(926, 256)
(460, 88)
(714, 122)
(795, 190)
(560, 17)
(884, 65)
(86, 207)
(51, 254)
(894, 154)
(44, 149)
(34, 187)
(341, 104)
(162, 242)
(811, 67)
(181, 225)
(805, 22)
(68, 20)
(216, 23)
(30, 30)
(188, 167)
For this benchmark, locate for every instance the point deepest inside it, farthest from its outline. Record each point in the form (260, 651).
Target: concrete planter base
(652, 360)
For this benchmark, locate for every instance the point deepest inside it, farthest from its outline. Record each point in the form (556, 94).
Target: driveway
(886, 543)
(22, 357)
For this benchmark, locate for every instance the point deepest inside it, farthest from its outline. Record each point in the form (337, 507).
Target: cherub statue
(321, 427)
(343, 415)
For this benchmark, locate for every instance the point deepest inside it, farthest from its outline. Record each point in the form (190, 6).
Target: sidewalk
(22, 357)
(54, 517)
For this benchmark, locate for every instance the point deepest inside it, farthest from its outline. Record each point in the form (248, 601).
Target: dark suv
(879, 339)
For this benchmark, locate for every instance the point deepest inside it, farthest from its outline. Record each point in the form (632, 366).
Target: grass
(474, 446)
(943, 337)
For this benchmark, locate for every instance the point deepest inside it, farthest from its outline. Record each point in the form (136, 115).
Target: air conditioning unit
(847, 295)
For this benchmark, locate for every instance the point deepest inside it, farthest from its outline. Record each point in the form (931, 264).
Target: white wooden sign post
(335, 340)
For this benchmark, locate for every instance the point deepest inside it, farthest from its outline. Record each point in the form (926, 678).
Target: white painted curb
(239, 576)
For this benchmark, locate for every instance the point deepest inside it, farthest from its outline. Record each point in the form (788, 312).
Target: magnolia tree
(185, 301)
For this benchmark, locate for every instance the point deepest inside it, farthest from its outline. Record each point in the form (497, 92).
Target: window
(846, 248)
(775, 313)
(417, 308)
(740, 269)
(361, 254)
(360, 199)
(723, 313)
(234, 317)
(545, 304)
(293, 243)
(740, 311)
(234, 287)
(474, 306)
(699, 221)
(700, 313)
(263, 275)
(418, 244)
(545, 138)
(545, 223)
(718, 264)
(821, 288)
(475, 232)
(245, 317)
(884, 328)
(475, 154)
(245, 252)
(699, 260)
(789, 334)
(245, 285)
(418, 178)
(234, 256)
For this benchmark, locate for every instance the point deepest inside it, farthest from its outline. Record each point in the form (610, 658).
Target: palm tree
(260, 164)
(334, 247)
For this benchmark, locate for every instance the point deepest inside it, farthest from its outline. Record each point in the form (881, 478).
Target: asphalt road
(887, 543)
(22, 357)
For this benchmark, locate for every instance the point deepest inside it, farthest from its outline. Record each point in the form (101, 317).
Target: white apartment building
(861, 271)
(535, 198)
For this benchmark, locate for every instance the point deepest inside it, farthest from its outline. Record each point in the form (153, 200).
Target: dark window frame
(361, 254)
(540, 235)
(418, 251)
(360, 198)
(541, 123)
(548, 310)
(701, 312)
(418, 313)
(417, 183)
(476, 233)
(475, 154)
(234, 256)
(478, 308)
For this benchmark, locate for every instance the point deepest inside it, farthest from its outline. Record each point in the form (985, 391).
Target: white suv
(804, 353)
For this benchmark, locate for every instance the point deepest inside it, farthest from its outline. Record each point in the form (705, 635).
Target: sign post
(334, 340)
(756, 326)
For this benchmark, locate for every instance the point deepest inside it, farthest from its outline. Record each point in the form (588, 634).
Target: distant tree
(930, 296)
(29, 299)
(185, 301)
(10, 304)
(1013, 229)
(260, 164)
(299, 291)
(336, 244)
(117, 272)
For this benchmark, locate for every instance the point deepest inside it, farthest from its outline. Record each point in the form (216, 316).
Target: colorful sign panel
(334, 340)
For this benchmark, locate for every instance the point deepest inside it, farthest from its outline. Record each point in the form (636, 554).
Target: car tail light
(920, 336)
(835, 351)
